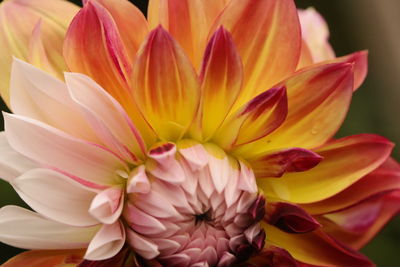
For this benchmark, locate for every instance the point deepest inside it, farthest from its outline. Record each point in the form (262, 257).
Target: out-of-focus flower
(33, 30)
(195, 138)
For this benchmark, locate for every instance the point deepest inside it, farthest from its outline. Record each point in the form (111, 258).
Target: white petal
(107, 205)
(56, 196)
(107, 242)
(146, 248)
(247, 180)
(38, 95)
(59, 150)
(219, 171)
(12, 163)
(193, 153)
(26, 229)
(107, 117)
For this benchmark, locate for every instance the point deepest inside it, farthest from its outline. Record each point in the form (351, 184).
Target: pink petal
(107, 242)
(26, 229)
(107, 205)
(138, 182)
(55, 196)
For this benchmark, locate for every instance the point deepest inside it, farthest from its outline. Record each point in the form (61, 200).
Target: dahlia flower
(200, 136)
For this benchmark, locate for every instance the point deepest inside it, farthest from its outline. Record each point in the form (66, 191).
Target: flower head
(203, 137)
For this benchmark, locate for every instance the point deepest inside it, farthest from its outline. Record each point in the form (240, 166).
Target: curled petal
(345, 161)
(267, 36)
(107, 242)
(55, 195)
(12, 164)
(124, 258)
(290, 218)
(16, 34)
(164, 165)
(138, 182)
(26, 229)
(187, 21)
(259, 117)
(40, 258)
(221, 81)
(322, 250)
(107, 205)
(169, 92)
(278, 163)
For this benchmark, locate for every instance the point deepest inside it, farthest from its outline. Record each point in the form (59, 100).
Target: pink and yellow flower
(202, 136)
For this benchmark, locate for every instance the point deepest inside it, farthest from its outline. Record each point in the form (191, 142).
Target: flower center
(196, 209)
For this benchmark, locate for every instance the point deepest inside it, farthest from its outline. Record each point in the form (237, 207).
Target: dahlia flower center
(192, 207)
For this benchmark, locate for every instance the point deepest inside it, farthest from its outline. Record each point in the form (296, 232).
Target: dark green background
(355, 25)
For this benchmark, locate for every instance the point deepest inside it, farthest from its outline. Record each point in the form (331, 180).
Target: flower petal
(273, 256)
(108, 119)
(384, 179)
(315, 248)
(63, 152)
(290, 218)
(358, 224)
(318, 100)
(267, 35)
(315, 33)
(107, 205)
(169, 93)
(259, 117)
(43, 258)
(221, 79)
(38, 95)
(26, 229)
(127, 17)
(277, 163)
(187, 21)
(15, 33)
(56, 196)
(12, 164)
(345, 161)
(107, 242)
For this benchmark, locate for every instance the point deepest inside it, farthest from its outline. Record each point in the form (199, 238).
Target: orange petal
(94, 46)
(131, 23)
(256, 119)
(345, 161)
(169, 91)
(187, 21)
(360, 65)
(15, 33)
(318, 100)
(46, 258)
(267, 35)
(383, 179)
(357, 225)
(221, 78)
(316, 248)
(276, 163)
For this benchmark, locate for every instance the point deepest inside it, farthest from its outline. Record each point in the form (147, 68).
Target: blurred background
(354, 25)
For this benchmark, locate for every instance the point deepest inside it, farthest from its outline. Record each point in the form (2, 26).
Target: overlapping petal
(169, 90)
(345, 161)
(258, 28)
(16, 33)
(87, 163)
(189, 22)
(318, 100)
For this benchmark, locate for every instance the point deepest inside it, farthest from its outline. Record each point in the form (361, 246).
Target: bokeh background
(355, 25)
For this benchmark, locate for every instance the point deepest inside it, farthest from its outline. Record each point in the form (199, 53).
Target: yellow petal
(18, 19)
(168, 90)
